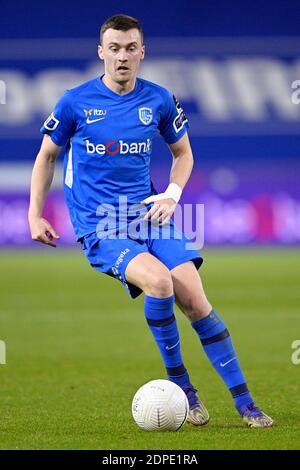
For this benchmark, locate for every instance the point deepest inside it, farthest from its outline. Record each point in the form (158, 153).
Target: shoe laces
(251, 410)
(190, 392)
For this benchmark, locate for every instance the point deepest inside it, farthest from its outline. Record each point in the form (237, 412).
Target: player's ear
(143, 52)
(100, 51)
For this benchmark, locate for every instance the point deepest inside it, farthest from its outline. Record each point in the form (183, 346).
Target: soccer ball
(160, 405)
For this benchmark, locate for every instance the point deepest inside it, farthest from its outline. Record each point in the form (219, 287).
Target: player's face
(122, 52)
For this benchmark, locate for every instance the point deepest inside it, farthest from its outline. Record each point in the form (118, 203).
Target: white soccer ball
(160, 405)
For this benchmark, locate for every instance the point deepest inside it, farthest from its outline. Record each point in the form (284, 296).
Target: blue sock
(162, 323)
(219, 349)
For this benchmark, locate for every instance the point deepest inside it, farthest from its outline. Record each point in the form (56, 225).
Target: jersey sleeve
(60, 124)
(173, 123)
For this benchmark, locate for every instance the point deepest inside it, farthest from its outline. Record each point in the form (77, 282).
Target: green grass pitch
(78, 349)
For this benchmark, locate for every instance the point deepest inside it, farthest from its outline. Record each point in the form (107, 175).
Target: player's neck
(119, 88)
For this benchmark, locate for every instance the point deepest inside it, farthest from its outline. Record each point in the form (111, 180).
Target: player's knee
(195, 310)
(159, 284)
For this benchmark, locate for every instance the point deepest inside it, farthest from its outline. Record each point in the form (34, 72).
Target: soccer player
(106, 127)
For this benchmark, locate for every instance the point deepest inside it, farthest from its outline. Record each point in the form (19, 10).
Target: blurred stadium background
(232, 70)
(232, 65)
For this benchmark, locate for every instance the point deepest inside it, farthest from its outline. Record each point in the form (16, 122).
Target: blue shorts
(111, 256)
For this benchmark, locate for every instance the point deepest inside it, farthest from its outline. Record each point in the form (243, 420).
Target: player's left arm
(165, 203)
(183, 161)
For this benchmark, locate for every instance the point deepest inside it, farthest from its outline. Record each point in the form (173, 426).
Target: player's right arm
(42, 176)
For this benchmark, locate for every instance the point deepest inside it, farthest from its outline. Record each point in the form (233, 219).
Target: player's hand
(162, 209)
(42, 231)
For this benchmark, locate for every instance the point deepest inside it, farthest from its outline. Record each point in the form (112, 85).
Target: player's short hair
(121, 23)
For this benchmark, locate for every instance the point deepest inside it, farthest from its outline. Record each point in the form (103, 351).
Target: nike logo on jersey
(225, 363)
(91, 121)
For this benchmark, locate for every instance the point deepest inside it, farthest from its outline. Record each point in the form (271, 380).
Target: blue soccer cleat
(254, 417)
(198, 414)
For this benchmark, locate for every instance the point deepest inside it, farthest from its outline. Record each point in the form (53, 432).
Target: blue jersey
(107, 141)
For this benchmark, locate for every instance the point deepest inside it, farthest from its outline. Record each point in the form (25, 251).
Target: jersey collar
(111, 93)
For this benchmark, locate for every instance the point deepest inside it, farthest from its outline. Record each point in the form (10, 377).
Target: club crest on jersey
(145, 115)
